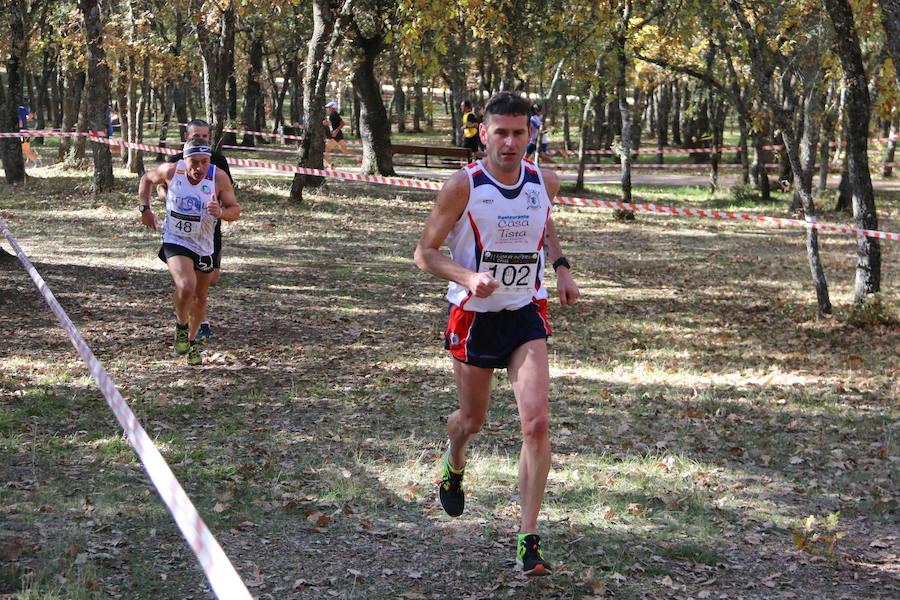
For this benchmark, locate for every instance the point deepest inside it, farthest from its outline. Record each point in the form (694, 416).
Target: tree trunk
(374, 126)
(583, 138)
(79, 149)
(323, 43)
(168, 103)
(567, 139)
(69, 112)
(713, 111)
(621, 93)
(97, 92)
(145, 96)
(43, 91)
(454, 75)
(663, 108)
(217, 51)
(297, 94)
(762, 62)
(601, 123)
(890, 20)
(13, 163)
(868, 249)
(399, 93)
(253, 89)
(760, 172)
(676, 113)
(418, 104)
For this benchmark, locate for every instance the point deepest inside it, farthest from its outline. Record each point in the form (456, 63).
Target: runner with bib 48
(197, 194)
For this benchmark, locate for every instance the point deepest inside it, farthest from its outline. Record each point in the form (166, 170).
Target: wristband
(561, 262)
(143, 207)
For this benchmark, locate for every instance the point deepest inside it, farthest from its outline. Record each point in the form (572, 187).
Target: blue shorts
(532, 147)
(487, 339)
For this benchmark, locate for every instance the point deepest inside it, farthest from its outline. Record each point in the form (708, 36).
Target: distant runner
(494, 215)
(198, 194)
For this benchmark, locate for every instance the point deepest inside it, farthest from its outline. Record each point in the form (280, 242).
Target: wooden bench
(433, 151)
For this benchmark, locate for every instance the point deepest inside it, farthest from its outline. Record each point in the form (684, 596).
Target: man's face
(505, 138)
(197, 166)
(197, 131)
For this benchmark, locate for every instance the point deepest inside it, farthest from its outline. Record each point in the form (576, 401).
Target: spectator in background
(333, 124)
(23, 114)
(469, 127)
(479, 118)
(538, 140)
(109, 121)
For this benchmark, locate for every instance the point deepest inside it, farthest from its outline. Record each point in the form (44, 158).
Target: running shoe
(193, 355)
(204, 333)
(450, 491)
(182, 343)
(529, 557)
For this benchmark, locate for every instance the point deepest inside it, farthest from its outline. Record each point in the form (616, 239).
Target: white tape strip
(225, 581)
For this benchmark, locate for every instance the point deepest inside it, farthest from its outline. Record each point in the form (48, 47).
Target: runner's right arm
(160, 175)
(451, 202)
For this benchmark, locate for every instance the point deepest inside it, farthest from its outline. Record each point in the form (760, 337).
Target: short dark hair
(506, 103)
(467, 104)
(198, 123)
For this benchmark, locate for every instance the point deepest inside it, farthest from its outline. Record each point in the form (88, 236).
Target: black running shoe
(529, 557)
(453, 499)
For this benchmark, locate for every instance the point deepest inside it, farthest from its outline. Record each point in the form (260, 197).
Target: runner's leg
(198, 308)
(473, 390)
(529, 373)
(182, 270)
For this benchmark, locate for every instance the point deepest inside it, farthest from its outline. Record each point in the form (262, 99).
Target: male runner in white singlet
(494, 216)
(197, 194)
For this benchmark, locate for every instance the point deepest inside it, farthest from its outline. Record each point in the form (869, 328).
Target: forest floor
(713, 437)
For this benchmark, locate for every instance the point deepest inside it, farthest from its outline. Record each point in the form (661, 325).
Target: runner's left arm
(224, 206)
(565, 285)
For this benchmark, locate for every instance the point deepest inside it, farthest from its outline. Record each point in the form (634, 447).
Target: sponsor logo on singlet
(189, 203)
(532, 200)
(512, 228)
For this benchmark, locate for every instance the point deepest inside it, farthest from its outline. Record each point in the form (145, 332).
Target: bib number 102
(510, 275)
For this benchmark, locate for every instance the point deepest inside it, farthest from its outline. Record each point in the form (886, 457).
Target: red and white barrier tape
(223, 578)
(262, 149)
(45, 133)
(243, 162)
(283, 136)
(716, 214)
(706, 150)
(649, 208)
(550, 165)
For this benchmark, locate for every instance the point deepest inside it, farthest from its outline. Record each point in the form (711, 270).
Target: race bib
(185, 225)
(515, 271)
